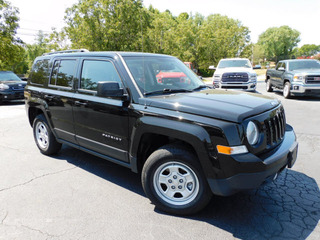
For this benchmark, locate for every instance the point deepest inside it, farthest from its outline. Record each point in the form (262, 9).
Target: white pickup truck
(235, 73)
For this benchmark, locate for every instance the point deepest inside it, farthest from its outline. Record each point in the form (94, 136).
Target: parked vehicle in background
(235, 73)
(190, 65)
(187, 140)
(11, 86)
(258, 66)
(295, 77)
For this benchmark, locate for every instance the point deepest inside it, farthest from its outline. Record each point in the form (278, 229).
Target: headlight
(253, 77)
(3, 87)
(252, 133)
(298, 78)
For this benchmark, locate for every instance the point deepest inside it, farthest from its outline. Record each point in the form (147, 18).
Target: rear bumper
(284, 156)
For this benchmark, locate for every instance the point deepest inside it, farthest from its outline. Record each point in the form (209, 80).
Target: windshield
(306, 64)
(234, 63)
(9, 76)
(162, 74)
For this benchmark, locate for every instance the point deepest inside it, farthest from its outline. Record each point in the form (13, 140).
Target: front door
(101, 124)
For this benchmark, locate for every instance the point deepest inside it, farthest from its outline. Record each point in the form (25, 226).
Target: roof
(101, 54)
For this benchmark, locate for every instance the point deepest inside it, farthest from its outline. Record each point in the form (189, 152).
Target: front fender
(194, 135)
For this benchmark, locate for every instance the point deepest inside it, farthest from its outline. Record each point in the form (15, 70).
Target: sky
(257, 15)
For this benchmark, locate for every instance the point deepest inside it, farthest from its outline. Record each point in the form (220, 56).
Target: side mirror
(112, 90)
(212, 67)
(281, 69)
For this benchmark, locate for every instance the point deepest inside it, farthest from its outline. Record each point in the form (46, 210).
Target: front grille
(313, 79)
(275, 127)
(16, 87)
(235, 77)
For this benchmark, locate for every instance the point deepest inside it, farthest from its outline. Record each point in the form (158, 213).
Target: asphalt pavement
(74, 195)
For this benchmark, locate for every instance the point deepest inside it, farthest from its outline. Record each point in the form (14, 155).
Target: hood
(12, 82)
(233, 69)
(233, 106)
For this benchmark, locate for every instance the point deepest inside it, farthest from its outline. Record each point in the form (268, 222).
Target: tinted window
(94, 71)
(63, 73)
(40, 72)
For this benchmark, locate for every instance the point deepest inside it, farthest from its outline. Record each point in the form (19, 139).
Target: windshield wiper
(168, 90)
(200, 87)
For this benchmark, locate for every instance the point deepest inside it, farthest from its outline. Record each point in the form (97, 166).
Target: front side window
(63, 73)
(279, 65)
(161, 74)
(95, 71)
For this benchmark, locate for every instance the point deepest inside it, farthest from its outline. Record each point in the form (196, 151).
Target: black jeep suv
(187, 140)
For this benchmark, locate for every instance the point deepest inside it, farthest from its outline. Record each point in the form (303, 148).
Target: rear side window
(94, 71)
(40, 72)
(63, 73)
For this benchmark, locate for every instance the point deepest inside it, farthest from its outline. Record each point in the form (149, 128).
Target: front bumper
(299, 88)
(12, 95)
(268, 166)
(249, 86)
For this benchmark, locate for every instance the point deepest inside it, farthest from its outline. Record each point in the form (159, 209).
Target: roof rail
(66, 51)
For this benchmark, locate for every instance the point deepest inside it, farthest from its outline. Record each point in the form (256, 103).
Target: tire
(269, 86)
(286, 90)
(173, 180)
(43, 136)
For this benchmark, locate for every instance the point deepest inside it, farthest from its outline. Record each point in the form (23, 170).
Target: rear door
(101, 124)
(59, 97)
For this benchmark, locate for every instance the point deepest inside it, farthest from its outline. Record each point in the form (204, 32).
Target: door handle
(79, 103)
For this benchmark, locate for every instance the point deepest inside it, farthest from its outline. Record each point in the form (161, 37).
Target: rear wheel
(286, 90)
(269, 86)
(44, 137)
(172, 178)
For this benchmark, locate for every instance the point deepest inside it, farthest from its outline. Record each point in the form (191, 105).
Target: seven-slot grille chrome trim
(275, 127)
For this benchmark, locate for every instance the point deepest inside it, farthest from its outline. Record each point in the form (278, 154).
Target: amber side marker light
(232, 150)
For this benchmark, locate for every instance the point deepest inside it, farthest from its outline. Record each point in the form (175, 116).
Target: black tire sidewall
(172, 154)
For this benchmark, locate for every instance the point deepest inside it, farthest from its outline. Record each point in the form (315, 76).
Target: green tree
(278, 42)
(11, 50)
(308, 50)
(258, 54)
(105, 24)
(221, 37)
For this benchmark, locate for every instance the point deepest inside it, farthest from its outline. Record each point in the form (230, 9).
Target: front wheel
(173, 180)
(44, 137)
(286, 90)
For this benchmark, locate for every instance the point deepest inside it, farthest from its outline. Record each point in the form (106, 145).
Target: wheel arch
(150, 133)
